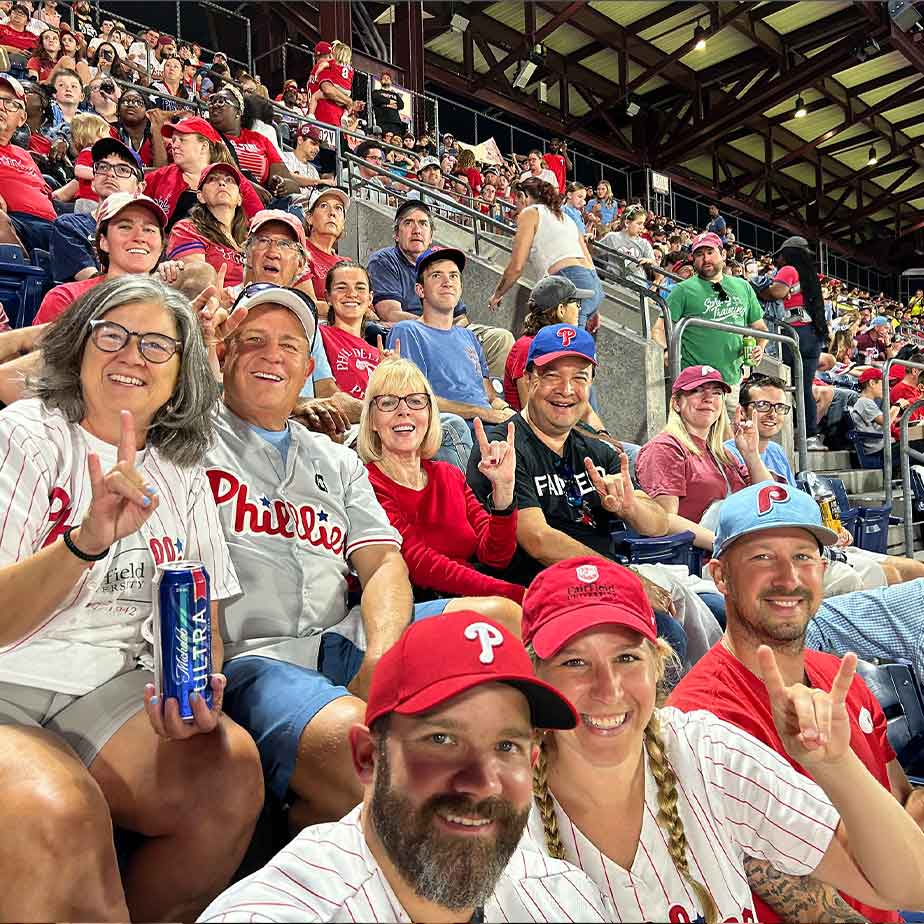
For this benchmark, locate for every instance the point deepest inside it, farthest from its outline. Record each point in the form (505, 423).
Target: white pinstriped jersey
(328, 873)
(44, 488)
(290, 530)
(736, 797)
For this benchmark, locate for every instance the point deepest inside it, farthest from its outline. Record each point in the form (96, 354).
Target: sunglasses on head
(717, 288)
(256, 287)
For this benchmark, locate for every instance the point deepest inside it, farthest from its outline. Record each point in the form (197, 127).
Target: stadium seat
(864, 458)
(872, 529)
(631, 549)
(22, 285)
(836, 486)
(896, 689)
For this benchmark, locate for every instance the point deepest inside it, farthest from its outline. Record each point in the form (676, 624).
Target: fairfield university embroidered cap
(557, 340)
(578, 594)
(439, 658)
(768, 505)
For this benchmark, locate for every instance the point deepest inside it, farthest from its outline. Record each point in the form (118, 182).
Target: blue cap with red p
(557, 340)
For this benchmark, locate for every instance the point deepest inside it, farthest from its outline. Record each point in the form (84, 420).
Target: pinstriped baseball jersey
(291, 531)
(735, 797)
(44, 488)
(329, 874)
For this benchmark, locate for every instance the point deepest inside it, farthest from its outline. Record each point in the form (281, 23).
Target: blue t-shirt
(393, 278)
(452, 360)
(280, 439)
(321, 370)
(717, 226)
(607, 212)
(71, 245)
(575, 216)
(773, 457)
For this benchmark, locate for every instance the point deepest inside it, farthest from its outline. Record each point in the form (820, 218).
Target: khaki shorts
(86, 722)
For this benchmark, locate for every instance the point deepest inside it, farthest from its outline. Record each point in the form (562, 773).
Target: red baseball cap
(580, 593)
(439, 658)
(322, 48)
(192, 125)
(897, 372)
(220, 165)
(706, 239)
(869, 374)
(694, 376)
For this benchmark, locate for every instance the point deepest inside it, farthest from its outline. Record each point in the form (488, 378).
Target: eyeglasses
(11, 105)
(132, 101)
(219, 102)
(717, 288)
(764, 407)
(417, 401)
(122, 171)
(262, 242)
(111, 337)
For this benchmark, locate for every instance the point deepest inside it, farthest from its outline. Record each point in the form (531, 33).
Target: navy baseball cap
(439, 253)
(557, 340)
(768, 505)
(106, 146)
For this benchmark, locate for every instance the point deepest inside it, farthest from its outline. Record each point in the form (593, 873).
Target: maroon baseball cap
(706, 239)
(581, 593)
(694, 376)
(439, 658)
(310, 131)
(192, 125)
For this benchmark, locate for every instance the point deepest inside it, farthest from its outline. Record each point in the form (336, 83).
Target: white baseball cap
(265, 293)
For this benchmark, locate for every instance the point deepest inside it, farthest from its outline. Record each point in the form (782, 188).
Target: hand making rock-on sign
(498, 464)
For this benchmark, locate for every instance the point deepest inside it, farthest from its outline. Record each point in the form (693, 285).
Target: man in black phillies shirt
(572, 490)
(386, 105)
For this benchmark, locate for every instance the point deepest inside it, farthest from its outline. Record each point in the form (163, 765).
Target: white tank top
(554, 240)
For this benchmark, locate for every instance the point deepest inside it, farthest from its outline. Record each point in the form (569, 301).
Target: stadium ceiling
(723, 119)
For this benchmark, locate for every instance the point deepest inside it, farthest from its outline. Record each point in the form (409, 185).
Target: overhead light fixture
(458, 23)
(873, 159)
(699, 37)
(543, 92)
(527, 69)
(632, 109)
(801, 111)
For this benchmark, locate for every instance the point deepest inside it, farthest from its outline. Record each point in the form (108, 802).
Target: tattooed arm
(798, 898)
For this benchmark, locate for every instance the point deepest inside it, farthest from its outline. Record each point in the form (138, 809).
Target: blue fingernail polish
(146, 501)
(154, 700)
(150, 489)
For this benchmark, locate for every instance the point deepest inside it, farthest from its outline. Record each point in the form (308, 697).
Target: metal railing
(798, 394)
(906, 454)
(886, 426)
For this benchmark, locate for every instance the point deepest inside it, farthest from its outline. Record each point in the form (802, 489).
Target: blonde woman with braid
(659, 807)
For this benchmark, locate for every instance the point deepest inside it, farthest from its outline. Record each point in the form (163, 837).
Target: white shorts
(86, 722)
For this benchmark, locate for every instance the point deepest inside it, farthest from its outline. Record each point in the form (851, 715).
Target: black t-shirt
(381, 100)
(558, 485)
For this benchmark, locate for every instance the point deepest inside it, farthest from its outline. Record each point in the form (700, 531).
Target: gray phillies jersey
(290, 534)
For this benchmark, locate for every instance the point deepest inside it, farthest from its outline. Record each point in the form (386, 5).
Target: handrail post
(905, 454)
(886, 432)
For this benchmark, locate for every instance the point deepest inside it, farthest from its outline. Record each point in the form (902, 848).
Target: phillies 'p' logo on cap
(489, 636)
(566, 335)
(768, 496)
(587, 574)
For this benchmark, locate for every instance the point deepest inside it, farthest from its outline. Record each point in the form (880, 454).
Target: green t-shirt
(695, 297)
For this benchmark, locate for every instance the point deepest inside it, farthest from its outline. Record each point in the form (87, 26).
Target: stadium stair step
(831, 461)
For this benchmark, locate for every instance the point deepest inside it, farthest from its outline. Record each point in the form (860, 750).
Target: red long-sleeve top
(444, 527)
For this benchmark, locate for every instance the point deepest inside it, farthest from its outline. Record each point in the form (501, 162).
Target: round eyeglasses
(111, 337)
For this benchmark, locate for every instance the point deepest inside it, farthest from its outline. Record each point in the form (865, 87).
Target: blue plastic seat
(629, 548)
(864, 458)
(872, 530)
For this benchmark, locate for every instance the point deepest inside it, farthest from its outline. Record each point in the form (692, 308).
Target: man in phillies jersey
(695, 796)
(444, 757)
(334, 83)
(767, 564)
(298, 515)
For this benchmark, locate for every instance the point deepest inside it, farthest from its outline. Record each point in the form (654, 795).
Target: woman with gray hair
(101, 482)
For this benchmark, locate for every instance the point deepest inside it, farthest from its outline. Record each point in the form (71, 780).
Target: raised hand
(122, 502)
(812, 724)
(384, 352)
(498, 464)
(617, 493)
(164, 716)
(747, 436)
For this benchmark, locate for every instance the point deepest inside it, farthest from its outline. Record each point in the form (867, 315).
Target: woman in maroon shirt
(446, 532)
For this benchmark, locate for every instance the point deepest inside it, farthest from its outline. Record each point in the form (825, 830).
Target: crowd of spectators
(380, 487)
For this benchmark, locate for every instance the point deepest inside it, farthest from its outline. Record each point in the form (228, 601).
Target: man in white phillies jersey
(445, 758)
(298, 512)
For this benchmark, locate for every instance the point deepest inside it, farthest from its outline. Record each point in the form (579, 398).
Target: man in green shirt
(712, 295)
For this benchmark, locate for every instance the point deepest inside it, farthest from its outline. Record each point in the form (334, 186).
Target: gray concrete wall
(630, 377)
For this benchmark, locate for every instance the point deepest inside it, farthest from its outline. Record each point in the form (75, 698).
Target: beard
(454, 872)
(767, 631)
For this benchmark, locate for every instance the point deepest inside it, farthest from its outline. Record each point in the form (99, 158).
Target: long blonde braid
(669, 817)
(546, 805)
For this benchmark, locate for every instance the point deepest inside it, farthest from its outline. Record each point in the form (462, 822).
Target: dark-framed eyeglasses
(254, 288)
(110, 337)
(416, 401)
(12, 105)
(717, 288)
(122, 171)
(764, 407)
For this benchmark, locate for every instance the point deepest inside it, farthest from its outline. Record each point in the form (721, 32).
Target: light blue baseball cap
(768, 505)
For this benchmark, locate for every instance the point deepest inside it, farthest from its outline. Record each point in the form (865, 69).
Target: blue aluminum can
(182, 634)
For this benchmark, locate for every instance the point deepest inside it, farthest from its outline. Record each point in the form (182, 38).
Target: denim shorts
(275, 700)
